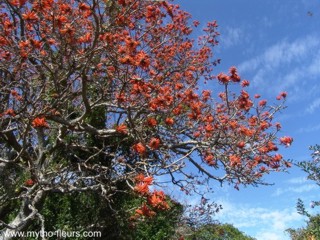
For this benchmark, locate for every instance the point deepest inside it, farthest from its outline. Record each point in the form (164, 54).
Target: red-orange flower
(139, 148)
(169, 121)
(287, 164)
(234, 160)
(244, 101)
(287, 141)
(233, 70)
(148, 180)
(85, 38)
(245, 83)
(30, 16)
(40, 122)
(158, 200)
(246, 131)
(282, 95)
(262, 103)
(197, 134)
(142, 60)
(10, 112)
(264, 125)
(18, 2)
(278, 126)
(233, 124)
(14, 93)
(142, 180)
(154, 143)
(272, 146)
(262, 169)
(122, 128)
(223, 78)
(206, 95)
(145, 211)
(139, 177)
(277, 157)
(241, 144)
(84, 7)
(209, 128)
(210, 160)
(142, 188)
(152, 122)
(29, 182)
(68, 29)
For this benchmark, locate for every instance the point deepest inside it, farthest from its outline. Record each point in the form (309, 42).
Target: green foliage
(218, 232)
(312, 168)
(88, 211)
(301, 208)
(312, 230)
(71, 212)
(160, 227)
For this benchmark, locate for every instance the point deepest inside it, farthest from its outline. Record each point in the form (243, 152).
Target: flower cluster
(232, 77)
(287, 141)
(122, 128)
(29, 182)
(154, 201)
(40, 122)
(140, 148)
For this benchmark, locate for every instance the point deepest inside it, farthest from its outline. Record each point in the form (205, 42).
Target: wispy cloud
(267, 235)
(314, 105)
(309, 129)
(300, 189)
(231, 36)
(297, 180)
(277, 59)
(249, 219)
(288, 66)
(314, 68)
(283, 52)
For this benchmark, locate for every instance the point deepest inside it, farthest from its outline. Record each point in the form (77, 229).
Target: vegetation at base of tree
(87, 211)
(217, 232)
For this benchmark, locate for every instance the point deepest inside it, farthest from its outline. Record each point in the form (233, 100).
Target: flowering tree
(99, 92)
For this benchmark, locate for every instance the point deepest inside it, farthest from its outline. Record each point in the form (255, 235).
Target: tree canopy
(100, 94)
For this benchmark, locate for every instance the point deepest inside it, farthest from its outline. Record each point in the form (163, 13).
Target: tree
(218, 232)
(197, 223)
(312, 230)
(100, 93)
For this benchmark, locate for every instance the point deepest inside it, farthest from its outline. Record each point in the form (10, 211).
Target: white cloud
(297, 180)
(231, 36)
(262, 223)
(286, 66)
(309, 129)
(293, 67)
(314, 105)
(302, 189)
(314, 68)
(283, 52)
(268, 236)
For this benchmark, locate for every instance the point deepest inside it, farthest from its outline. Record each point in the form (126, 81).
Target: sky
(274, 44)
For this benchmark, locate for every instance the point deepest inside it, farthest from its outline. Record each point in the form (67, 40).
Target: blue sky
(276, 45)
